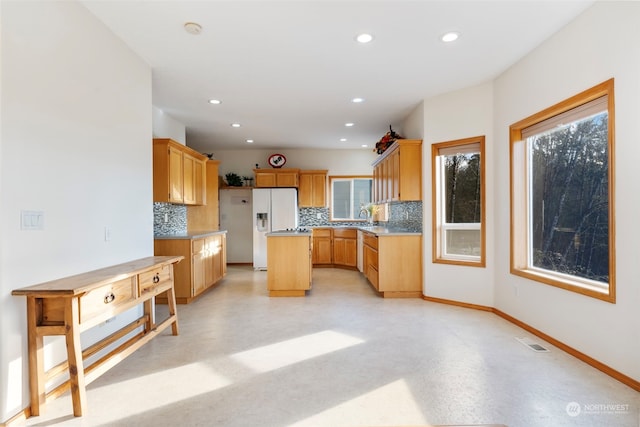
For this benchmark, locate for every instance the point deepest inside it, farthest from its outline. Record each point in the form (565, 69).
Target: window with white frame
(562, 194)
(348, 195)
(458, 202)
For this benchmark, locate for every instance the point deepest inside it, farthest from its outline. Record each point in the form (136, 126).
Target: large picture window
(562, 195)
(458, 202)
(348, 195)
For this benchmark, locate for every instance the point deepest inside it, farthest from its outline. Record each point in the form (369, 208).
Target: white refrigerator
(273, 209)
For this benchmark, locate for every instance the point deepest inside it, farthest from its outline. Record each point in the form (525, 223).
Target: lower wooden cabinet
(289, 267)
(322, 246)
(205, 264)
(393, 264)
(345, 248)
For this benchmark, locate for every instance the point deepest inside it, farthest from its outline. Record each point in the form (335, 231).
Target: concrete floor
(342, 356)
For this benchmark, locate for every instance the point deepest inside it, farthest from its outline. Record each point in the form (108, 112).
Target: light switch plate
(32, 220)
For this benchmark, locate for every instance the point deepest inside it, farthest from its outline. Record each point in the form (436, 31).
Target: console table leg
(36, 358)
(74, 356)
(171, 300)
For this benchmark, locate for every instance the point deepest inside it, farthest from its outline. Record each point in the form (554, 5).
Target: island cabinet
(322, 247)
(345, 248)
(289, 266)
(271, 178)
(179, 174)
(393, 264)
(397, 173)
(312, 189)
(206, 263)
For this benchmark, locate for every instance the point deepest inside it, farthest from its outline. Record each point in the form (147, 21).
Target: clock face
(277, 160)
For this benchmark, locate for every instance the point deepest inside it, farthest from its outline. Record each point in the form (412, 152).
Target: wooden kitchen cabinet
(398, 172)
(289, 266)
(206, 216)
(345, 248)
(312, 189)
(204, 266)
(392, 264)
(270, 178)
(322, 246)
(178, 173)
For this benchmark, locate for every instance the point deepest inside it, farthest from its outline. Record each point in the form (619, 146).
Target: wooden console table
(74, 304)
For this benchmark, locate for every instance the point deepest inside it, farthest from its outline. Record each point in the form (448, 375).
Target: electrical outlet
(319, 215)
(166, 218)
(107, 234)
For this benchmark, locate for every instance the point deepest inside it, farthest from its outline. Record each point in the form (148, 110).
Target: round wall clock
(277, 160)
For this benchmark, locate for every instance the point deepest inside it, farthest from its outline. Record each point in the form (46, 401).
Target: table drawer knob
(110, 297)
(156, 278)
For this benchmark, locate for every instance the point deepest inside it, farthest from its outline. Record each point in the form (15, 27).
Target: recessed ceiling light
(450, 37)
(364, 38)
(343, 139)
(215, 101)
(348, 124)
(235, 125)
(364, 145)
(193, 28)
(357, 100)
(250, 141)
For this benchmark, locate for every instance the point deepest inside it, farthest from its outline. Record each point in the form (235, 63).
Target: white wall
(165, 126)
(338, 162)
(603, 42)
(458, 115)
(76, 144)
(413, 126)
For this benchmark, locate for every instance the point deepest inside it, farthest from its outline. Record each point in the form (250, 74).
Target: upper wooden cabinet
(206, 216)
(312, 190)
(178, 173)
(397, 173)
(276, 177)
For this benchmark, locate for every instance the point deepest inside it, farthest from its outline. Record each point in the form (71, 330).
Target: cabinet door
(188, 183)
(176, 175)
(305, 191)
(288, 179)
(200, 182)
(198, 267)
(265, 179)
(394, 170)
(339, 255)
(350, 252)
(319, 190)
(322, 251)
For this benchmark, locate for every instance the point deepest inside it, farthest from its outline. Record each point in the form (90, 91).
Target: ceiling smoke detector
(193, 28)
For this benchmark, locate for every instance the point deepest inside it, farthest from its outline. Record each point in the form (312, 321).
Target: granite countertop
(378, 230)
(189, 235)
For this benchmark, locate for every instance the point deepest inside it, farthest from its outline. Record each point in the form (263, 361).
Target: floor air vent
(532, 345)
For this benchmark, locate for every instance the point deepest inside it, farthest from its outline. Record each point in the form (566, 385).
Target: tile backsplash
(401, 215)
(169, 219)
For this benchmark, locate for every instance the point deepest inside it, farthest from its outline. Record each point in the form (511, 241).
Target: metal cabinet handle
(110, 297)
(156, 278)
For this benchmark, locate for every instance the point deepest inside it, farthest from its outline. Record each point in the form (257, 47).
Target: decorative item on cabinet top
(388, 139)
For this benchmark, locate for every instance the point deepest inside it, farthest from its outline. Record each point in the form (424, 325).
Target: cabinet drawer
(345, 233)
(106, 298)
(321, 232)
(151, 280)
(371, 240)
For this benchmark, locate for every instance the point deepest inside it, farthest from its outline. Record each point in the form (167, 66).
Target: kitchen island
(289, 265)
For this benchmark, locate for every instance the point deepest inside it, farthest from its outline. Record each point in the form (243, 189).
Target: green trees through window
(562, 192)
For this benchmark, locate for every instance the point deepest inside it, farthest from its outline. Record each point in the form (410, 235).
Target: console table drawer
(152, 280)
(106, 298)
